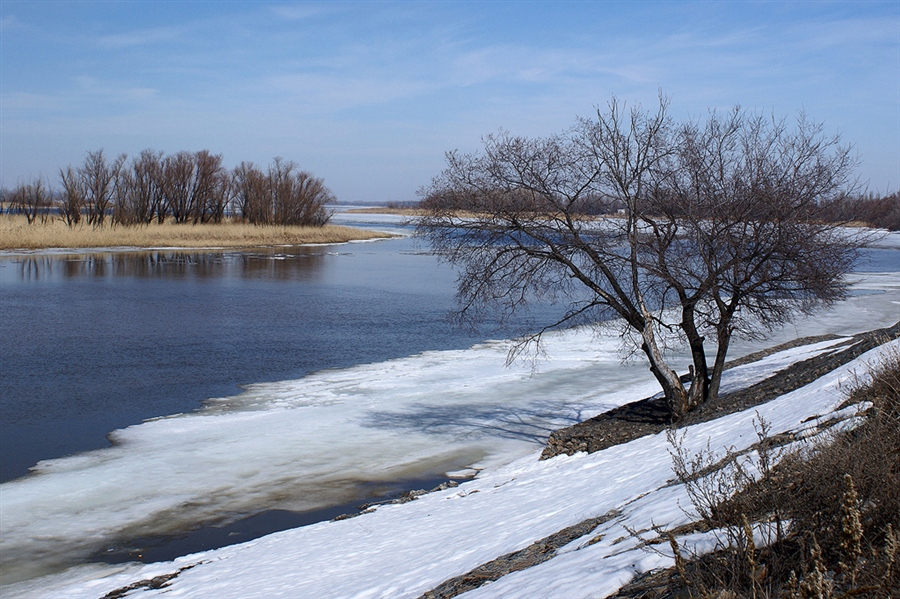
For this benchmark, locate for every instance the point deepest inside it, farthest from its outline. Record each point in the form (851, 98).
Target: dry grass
(15, 233)
(836, 506)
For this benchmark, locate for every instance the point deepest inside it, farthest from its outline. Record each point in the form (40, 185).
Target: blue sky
(369, 95)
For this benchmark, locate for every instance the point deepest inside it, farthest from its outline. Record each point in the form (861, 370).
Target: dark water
(879, 260)
(96, 342)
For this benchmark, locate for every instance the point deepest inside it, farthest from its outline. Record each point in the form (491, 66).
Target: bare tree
(737, 229)
(221, 197)
(99, 178)
(298, 197)
(189, 187)
(284, 195)
(251, 193)
(32, 199)
(195, 186)
(517, 219)
(140, 192)
(210, 188)
(311, 199)
(281, 188)
(178, 185)
(72, 198)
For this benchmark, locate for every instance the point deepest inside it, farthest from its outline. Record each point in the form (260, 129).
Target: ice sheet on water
(308, 443)
(886, 239)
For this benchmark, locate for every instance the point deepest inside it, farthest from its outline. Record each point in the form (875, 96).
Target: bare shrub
(721, 493)
(835, 507)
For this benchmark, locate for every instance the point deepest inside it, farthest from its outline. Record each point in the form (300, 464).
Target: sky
(370, 95)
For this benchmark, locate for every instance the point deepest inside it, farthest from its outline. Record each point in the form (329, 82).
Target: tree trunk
(724, 339)
(675, 393)
(699, 391)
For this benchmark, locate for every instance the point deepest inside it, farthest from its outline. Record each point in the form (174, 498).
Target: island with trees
(148, 200)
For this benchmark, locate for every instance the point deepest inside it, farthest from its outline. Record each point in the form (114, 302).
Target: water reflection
(295, 263)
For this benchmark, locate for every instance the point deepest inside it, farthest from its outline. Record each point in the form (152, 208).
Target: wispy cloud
(340, 91)
(141, 37)
(111, 92)
(9, 23)
(19, 102)
(849, 33)
(296, 12)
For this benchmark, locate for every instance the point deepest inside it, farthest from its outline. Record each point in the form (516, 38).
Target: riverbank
(650, 416)
(17, 234)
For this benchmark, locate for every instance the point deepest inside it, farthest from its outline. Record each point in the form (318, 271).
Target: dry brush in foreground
(831, 511)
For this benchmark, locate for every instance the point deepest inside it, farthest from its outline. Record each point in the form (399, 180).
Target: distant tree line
(185, 187)
(876, 211)
(869, 209)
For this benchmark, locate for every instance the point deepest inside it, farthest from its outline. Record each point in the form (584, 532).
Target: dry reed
(15, 233)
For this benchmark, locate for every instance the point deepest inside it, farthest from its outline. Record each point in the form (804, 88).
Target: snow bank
(307, 444)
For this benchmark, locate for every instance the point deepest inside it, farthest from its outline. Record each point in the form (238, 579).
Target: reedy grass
(16, 233)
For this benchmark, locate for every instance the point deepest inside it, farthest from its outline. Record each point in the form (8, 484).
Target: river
(146, 393)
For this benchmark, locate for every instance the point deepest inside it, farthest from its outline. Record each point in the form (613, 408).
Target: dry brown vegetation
(882, 212)
(834, 511)
(16, 233)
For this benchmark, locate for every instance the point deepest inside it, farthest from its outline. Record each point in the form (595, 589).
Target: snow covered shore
(406, 550)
